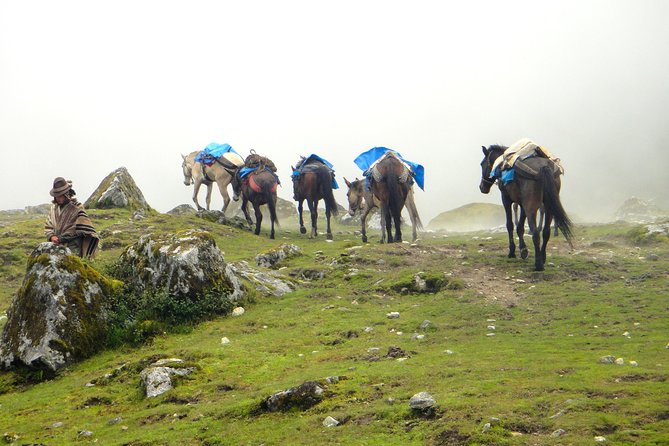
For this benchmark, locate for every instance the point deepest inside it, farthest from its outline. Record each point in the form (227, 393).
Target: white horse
(221, 173)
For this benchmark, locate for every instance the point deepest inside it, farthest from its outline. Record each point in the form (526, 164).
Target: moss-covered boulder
(58, 314)
(118, 190)
(184, 264)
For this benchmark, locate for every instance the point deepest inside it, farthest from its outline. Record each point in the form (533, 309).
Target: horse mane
(497, 147)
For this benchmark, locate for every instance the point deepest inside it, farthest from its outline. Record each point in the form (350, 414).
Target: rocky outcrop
(187, 263)
(273, 257)
(118, 190)
(183, 209)
(157, 378)
(302, 397)
(636, 210)
(269, 283)
(58, 313)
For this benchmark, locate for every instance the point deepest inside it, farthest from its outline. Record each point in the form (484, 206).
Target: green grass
(539, 373)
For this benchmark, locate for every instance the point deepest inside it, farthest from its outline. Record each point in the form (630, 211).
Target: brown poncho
(73, 226)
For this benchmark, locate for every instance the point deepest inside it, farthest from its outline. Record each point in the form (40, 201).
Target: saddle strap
(207, 180)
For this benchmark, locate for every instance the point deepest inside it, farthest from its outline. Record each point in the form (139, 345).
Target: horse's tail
(395, 203)
(413, 212)
(324, 178)
(552, 202)
(269, 194)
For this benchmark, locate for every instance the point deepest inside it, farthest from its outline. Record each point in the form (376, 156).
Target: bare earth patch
(491, 284)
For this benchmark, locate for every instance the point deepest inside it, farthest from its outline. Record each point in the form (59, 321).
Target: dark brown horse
(361, 199)
(390, 183)
(259, 188)
(314, 183)
(536, 184)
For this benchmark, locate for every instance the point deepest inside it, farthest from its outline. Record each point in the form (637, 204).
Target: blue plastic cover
(366, 159)
(508, 176)
(315, 157)
(214, 150)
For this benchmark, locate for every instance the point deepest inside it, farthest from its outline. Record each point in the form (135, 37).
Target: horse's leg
(313, 210)
(224, 193)
(303, 230)
(328, 230)
(506, 201)
(386, 221)
(258, 212)
(245, 210)
(536, 239)
(363, 220)
(196, 190)
(398, 226)
(208, 199)
(546, 235)
(520, 230)
(414, 233)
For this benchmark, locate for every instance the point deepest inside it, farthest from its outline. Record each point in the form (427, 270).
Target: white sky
(87, 87)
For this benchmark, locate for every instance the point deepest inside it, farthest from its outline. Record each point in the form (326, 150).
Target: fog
(87, 87)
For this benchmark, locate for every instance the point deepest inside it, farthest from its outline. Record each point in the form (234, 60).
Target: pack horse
(217, 163)
(256, 183)
(527, 174)
(388, 185)
(313, 180)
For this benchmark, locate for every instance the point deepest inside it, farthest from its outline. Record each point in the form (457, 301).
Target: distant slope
(470, 217)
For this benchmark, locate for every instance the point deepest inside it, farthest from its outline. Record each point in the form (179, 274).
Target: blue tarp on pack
(508, 176)
(311, 157)
(366, 159)
(213, 151)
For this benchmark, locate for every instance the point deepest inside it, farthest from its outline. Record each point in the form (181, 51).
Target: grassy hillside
(506, 346)
(470, 217)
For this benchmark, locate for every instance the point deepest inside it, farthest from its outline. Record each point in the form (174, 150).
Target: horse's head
(489, 156)
(236, 183)
(187, 168)
(296, 182)
(355, 194)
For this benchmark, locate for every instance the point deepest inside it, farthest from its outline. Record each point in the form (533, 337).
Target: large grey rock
(58, 315)
(273, 257)
(266, 282)
(118, 190)
(157, 379)
(421, 401)
(302, 397)
(187, 263)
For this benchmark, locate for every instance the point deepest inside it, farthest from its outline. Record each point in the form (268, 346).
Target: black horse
(536, 183)
(258, 187)
(313, 183)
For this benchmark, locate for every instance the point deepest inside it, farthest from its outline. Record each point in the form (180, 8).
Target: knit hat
(60, 187)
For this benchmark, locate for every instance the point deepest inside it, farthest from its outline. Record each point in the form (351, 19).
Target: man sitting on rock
(68, 224)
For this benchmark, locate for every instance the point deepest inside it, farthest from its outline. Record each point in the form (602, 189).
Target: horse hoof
(524, 253)
(364, 239)
(303, 230)
(512, 255)
(329, 237)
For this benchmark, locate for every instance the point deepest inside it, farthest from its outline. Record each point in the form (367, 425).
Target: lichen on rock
(118, 190)
(58, 314)
(182, 276)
